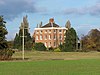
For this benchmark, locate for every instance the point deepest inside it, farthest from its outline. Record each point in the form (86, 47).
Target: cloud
(93, 10)
(12, 8)
(80, 11)
(83, 29)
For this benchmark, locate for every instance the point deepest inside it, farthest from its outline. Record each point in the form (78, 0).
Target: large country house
(51, 34)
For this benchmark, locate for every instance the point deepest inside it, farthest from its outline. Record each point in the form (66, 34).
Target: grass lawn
(36, 55)
(51, 67)
(53, 63)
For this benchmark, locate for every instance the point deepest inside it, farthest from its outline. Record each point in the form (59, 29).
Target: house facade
(51, 34)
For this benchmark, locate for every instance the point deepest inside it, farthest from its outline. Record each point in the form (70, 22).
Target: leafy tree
(3, 32)
(39, 46)
(70, 41)
(92, 40)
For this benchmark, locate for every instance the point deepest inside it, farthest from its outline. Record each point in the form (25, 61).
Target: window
(46, 44)
(60, 37)
(60, 30)
(54, 31)
(40, 37)
(37, 37)
(45, 37)
(54, 37)
(37, 32)
(49, 37)
(54, 43)
(49, 31)
(40, 31)
(49, 44)
(45, 31)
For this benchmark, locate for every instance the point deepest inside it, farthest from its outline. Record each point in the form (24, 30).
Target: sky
(84, 15)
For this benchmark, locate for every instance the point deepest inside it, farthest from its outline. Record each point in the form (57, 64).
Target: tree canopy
(92, 40)
(27, 39)
(39, 46)
(70, 41)
(3, 33)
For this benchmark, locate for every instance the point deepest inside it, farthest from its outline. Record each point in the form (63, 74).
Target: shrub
(57, 50)
(39, 46)
(6, 54)
(50, 49)
(98, 49)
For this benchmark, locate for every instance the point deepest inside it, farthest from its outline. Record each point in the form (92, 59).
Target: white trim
(51, 28)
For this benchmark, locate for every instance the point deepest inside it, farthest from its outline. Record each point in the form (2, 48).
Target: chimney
(51, 20)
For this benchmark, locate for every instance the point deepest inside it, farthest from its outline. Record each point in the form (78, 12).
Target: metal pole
(23, 45)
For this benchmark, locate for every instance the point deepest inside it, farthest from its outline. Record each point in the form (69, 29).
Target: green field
(54, 67)
(53, 63)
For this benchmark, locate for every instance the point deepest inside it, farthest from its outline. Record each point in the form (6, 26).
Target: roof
(50, 25)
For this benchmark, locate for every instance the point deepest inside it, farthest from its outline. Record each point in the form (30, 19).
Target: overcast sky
(83, 14)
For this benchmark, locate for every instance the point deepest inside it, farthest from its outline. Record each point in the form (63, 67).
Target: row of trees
(88, 42)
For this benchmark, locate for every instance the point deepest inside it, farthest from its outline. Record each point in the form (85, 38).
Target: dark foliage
(3, 33)
(27, 39)
(70, 41)
(91, 41)
(6, 54)
(39, 47)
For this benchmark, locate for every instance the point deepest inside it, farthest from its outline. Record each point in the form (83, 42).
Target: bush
(57, 50)
(50, 49)
(6, 54)
(98, 49)
(39, 46)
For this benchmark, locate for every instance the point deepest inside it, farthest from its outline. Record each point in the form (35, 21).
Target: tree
(39, 46)
(68, 24)
(70, 40)
(92, 40)
(5, 53)
(27, 39)
(17, 42)
(3, 33)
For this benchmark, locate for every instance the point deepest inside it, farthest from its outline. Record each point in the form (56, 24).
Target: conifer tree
(3, 33)
(70, 40)
(27, 39)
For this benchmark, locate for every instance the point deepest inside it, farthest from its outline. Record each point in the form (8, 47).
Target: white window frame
(49, 44)
(37, 38)
(40, 31)
(49, 37)
(41, 37)
(49, 31)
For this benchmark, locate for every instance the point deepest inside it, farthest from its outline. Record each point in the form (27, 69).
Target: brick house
(51, 34)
